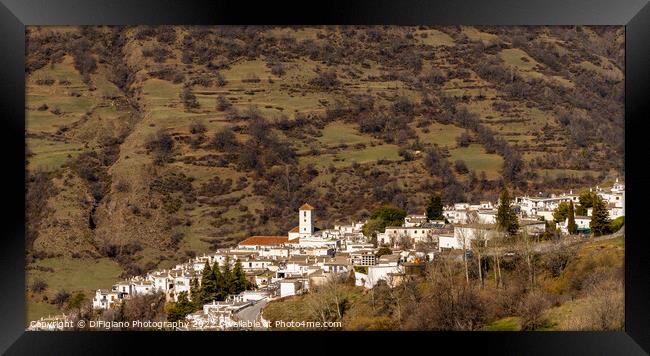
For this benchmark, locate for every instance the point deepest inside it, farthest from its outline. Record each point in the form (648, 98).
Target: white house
(289, 287)
(393, 234)
(363, 258)
(487, 216)
(582, 222)
(449, 242)
(532, 227)
(387, 266)
(105, 299)
(415, 220)
(455, 216)
(465, 234)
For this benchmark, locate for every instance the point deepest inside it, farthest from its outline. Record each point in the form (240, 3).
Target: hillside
(577, 287)
(148, 145)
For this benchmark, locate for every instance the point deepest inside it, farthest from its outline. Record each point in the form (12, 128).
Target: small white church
(306, 233)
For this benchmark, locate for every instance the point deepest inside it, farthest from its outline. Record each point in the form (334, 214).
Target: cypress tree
(506, 217)
(208, 285)
(195, 292)
(600, 223)
(228, 280)
(240, 281)
(434, 209)
(218, 277)
(571, 224)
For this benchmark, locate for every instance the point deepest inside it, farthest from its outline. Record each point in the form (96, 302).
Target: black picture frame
(633, 14)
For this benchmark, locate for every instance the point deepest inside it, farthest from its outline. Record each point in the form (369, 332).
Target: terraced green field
(477, 159)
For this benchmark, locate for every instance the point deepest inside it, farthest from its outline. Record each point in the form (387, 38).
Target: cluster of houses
(306, 257)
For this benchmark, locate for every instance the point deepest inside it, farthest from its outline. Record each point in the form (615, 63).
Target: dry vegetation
(564, 288)
(146, 145)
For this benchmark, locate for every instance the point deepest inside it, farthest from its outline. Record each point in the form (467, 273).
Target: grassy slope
(286, 95)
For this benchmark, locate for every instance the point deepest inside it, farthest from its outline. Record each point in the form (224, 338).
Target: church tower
(306, 220)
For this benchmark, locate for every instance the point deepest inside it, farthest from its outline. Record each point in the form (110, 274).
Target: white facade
(381, 272)
(449, 242)
(415, 220)
(582, 222)
(392, 235)
(105, 299)
(306, 222)
(464, 235)
(290, 287)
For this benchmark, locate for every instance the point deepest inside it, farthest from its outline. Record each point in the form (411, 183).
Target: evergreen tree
(586, 200)
(195, 292)
(228, 280)
(240, 281)
(221, 294)
(571, 224)
(506, 217)
(600, 223)
(561, 213)
(208, 285)
(434, 209)
(179, 310)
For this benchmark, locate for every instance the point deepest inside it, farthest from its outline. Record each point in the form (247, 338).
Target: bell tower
(306, 220)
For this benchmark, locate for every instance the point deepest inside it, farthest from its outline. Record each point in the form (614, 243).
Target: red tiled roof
(295, 229)
(265, 240)
(306, 207)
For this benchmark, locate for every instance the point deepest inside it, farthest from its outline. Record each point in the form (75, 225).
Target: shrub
(38, 286)
(461, 167)
(161, 145)
(122, 186)
(277, 69)
(325, 80)
(197, 127)
(463, 140)
(188, 99)
(223, 104)
(220, 80)
(61, 297)
(617, 223)
(224, 139)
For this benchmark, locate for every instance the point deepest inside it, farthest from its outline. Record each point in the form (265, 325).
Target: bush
(223, 104)
(463, 140)
(46, 81)
(617, 223)
(224, 139)
(277, 69)
(325, 80)
(531, 310)
(188, 99)
(161, 145)
(38, 286)
(220, 80)
(461, 167)
(60, 298)
(197, 127)
(122, 186)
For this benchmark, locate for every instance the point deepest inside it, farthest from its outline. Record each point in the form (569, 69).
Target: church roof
(295, 229)
(306, 207)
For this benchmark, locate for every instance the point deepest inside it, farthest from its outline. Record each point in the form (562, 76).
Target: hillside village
(151, 150)
(308, 257)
